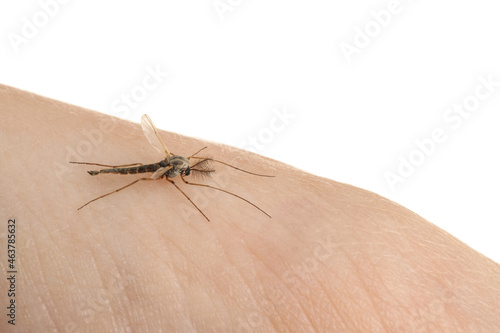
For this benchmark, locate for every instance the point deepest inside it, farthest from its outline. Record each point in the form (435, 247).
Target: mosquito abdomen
(126, 171)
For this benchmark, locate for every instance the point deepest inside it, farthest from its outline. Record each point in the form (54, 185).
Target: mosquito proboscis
(170, 167)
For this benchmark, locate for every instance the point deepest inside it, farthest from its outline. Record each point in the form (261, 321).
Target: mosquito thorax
(179, 164)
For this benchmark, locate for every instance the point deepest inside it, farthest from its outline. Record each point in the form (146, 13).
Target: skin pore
(333, 257)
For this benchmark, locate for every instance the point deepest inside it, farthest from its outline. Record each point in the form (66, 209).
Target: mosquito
(170, 167)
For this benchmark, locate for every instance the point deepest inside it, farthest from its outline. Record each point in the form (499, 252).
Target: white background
(232, 67)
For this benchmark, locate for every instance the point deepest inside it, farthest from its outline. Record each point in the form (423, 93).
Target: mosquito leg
(219, 189)
(109, 166)
(187, 197)
(121, 188)
(232, 166)
(198, 152)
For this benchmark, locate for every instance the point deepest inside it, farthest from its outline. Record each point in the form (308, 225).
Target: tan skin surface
(332, 258)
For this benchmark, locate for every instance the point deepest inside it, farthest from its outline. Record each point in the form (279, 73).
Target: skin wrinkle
(237, 270)
(297, 238)
(46, 301)
(421, 248)
(72, 322)
(256, 235)
(96, 265)
(176, 246)
(332, 303)
(185, 274)
(342, 313)
(126, 294)
(53, 314)
(316, 279)
(345, 321)
(384, 289)
(234, 266)
(115, 297)
(257, 303)
(218, 288)
(375, 273)
(375, 264)
(321, 285)
(357, 272)
(395, 297)
(199, 270)
(70, 269)
(343, 318)
(288, 288)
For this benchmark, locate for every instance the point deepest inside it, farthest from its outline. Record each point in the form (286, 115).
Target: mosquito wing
(153, 135)
(160, 172)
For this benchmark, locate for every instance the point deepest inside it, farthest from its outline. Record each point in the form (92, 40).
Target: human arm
(333, 257)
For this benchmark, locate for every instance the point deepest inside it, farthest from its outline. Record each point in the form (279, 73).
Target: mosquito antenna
(219, 189)
(202, 169)
(203, 164)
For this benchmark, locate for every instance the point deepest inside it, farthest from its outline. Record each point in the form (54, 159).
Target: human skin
(333, 257)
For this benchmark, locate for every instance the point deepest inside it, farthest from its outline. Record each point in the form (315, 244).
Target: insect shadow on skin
(170, 167)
